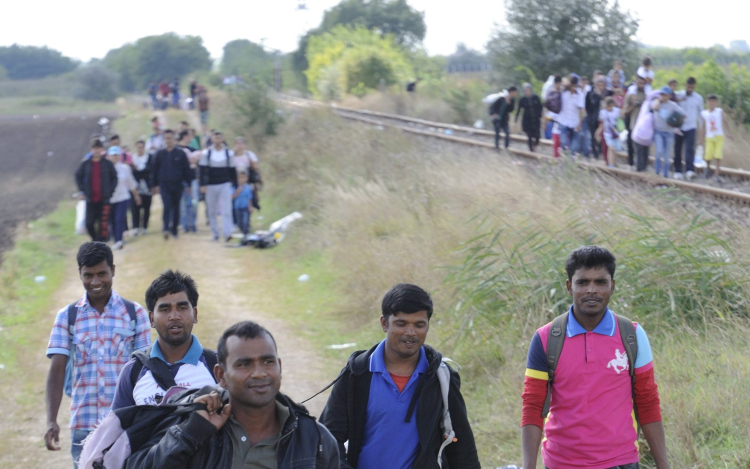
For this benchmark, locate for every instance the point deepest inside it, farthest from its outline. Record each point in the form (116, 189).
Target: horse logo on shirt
(620, 363)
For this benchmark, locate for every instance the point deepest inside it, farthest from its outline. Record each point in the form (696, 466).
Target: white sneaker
(631, 168)
(117, 245)
(690, 175)
(677, 176)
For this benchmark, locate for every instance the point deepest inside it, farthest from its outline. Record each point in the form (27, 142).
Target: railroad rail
(736, 189)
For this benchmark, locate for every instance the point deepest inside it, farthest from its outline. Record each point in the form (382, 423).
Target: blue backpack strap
(69, 372)
(130, 307)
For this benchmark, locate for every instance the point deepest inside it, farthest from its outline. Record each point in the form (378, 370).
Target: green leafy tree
(23, 62)
(258, 115)
(96, 83)
(564, 36)
(245, 58)
(157, 57)
(388, 17)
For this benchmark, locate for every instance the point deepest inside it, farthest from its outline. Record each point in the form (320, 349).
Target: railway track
(736, 187)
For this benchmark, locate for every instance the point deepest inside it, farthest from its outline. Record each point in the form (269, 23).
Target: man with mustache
(172, 302)
(595, 404)
(387, 402)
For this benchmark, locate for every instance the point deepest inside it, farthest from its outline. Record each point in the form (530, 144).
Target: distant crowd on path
(589, 385)
(180, 168)
(600, 117)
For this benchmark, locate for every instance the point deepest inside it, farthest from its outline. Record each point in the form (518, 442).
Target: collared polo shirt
(103, 344)
(191, 372)
(388, 440)
(591, 423)
(262, 455)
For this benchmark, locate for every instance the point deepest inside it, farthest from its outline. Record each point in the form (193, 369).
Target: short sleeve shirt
(102, 345)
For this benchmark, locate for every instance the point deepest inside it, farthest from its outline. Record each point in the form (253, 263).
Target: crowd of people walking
(606, 115)
(178, 167)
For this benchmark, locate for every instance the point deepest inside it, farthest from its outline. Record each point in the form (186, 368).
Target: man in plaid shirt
(104, 338)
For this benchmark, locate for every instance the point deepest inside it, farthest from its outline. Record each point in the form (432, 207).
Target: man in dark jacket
(96, 179)
(387, 402)
(172, 174)
(500, 111)
(248, 423)
(532, 115)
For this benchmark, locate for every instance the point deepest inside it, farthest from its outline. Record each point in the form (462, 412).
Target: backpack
(70, 366)
(553, 102)
(675, 119)
(555, 342)
(159, 369)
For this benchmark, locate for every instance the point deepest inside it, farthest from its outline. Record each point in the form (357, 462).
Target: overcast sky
(85, 28)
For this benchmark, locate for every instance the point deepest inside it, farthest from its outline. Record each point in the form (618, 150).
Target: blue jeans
(570, 139)
(663, 143)
(119, 218)
(189, 207)
(501, 126)
(688, 140)
(242, 216)
(77, 437)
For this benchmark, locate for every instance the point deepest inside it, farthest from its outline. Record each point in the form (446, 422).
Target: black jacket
(108, 179)
(222, 173)
(171, 168)
(503, 111)
(189, 441)
(532, 113)
(345, 414)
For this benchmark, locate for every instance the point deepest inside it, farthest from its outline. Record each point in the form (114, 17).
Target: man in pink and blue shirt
(592, 422)
(104, 338)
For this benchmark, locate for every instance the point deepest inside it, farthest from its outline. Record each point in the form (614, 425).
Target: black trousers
(631, 149)
(97, 220)
(501, 125)
(170, 198)
(642, 157)
(136, 210)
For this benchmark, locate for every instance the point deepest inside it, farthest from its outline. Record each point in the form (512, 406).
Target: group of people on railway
(603, 116)
(396, 405)
(180, 168)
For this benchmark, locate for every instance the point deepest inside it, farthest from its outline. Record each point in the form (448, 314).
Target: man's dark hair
(406, 298)
(139, 141)
(574, 80)
(171, 281)
(646, 61)
(96, 143)
(169, 131)
(114, 137)
(673, 81)
(590, 257)
(558, 79)
(244, 330)
(216, 132)
(692, 81)
(512, 89)
(712, 97)
(183, 134)
(94, 253)
(184, 123)
(155, 118)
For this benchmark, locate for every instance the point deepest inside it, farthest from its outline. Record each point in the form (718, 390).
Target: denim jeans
(663, 143)
(77, 437)
(688, 140)
(189, 206)
(242, 216)
(501, 126)
(570, 139)
(119, 218)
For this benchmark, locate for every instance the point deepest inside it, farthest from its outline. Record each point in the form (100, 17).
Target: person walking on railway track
(665, 112)
(93, 338)
(143, 169)
(176, 356)
(692, 103)
(712, 135)
(218, 176)
(607, 131)
(191, 193)
(593, 105)
(247, 422)
(172, 175)
(570, 117)
(500, 111)
(96, 179)
(632, 106)
(120, 200)
(532, 115)
(389, 401)
(590, 374)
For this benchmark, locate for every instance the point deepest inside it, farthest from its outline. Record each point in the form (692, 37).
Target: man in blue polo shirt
(387, 402)
(177, 356)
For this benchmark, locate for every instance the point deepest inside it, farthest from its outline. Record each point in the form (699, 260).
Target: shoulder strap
(629, 340)
(130, 307)
(211, 360)
(159, 369)
(555, 342)
(72, 313)
(449, 435)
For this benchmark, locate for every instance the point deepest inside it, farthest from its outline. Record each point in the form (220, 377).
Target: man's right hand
(213, 404)
(203, 189)
(52, 437)
(155, 190)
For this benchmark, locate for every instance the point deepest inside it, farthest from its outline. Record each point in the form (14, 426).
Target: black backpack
(553, 102)
(159, 369)
(555, 342)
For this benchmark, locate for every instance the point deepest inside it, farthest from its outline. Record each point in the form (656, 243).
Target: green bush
(96, 83)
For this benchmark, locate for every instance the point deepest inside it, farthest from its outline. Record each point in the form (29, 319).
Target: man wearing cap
(96, 179)
(120, 200)
(664, 108)
(172, 174)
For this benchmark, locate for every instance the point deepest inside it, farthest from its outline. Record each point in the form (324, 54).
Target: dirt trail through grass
(225, 279)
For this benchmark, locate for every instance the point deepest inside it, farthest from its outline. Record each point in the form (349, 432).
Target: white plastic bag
(80, 217)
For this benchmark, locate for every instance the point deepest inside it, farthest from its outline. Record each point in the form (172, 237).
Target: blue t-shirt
(244, 198)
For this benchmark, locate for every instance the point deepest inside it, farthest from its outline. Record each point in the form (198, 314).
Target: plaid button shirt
(103, 344)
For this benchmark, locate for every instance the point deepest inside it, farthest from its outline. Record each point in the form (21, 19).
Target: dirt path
(225, 283)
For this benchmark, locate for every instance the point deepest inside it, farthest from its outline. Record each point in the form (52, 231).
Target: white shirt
(125, 183)
(693, 106)
(242, 162)
(140, 161)
(642, 72)
(570, 113)
(609, 118)
(155, 143)
(714, 122)
(218, 157)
